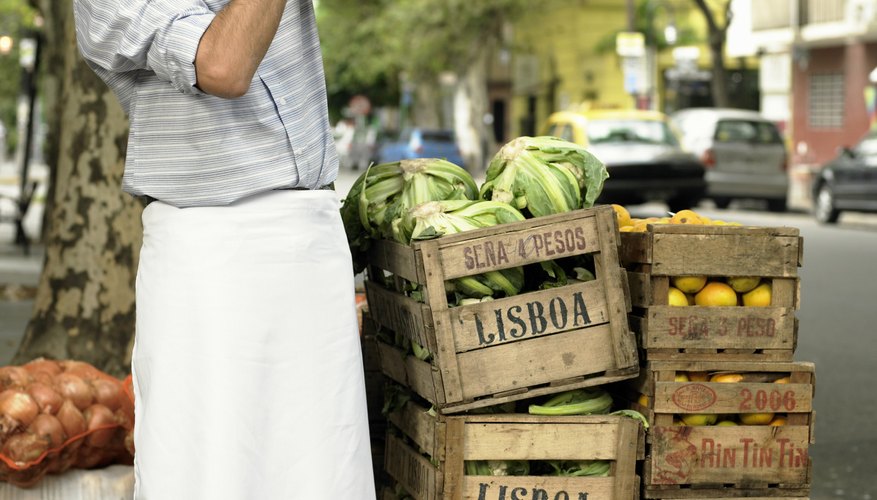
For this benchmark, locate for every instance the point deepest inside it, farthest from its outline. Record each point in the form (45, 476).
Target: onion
(17, 408)
(81, 369)
(71, 419)
(46, 397)
(75, 389)
(98, 416)
(48, 427)
(107, 393)
(43, 365)
(13, 376)
(24, 447)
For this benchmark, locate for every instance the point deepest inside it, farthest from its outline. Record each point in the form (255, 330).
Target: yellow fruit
(727, 378)
(698, 376)
(758, 297)
(676, 297)
(782, 380)
(743, 284)
(643, 400)
(689, 284)
(704, 219)
(686, 217)
(778, 421)
(719, 223)
(716, 294)
(726, 423)
(756, 418)
(693, 419)
(626, 229)
(681, 377)
(622, 215)
(733, 224)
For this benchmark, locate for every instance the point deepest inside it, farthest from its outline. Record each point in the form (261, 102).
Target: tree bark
(716, 41)
(84, 308)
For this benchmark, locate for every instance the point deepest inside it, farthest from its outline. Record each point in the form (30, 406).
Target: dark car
(641, 154)
(849, 182)
(421, 143)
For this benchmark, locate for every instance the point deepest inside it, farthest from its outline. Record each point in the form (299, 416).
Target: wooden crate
(437, 471)
(758, 460)
(666, 333)
(512, 348)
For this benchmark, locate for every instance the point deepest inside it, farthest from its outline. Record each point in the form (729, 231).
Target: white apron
(248, 374)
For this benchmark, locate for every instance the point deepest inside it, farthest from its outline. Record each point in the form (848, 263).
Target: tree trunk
(84, 308)
(470, 106)
(720, 74)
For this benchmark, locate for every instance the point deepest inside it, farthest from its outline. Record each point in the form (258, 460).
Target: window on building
(827, 100)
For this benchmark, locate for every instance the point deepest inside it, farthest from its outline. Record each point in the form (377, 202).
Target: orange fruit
(758, 297)
(716, 294)
(778, 421)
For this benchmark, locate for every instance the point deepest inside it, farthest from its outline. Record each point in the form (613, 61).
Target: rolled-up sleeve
(157, 35)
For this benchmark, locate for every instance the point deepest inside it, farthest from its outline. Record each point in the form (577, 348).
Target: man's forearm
(234, 44)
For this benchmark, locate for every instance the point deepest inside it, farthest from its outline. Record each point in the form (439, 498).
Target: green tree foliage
(16, 17)
(368, 43)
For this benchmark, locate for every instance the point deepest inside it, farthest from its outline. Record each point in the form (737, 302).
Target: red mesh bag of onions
(57, 415)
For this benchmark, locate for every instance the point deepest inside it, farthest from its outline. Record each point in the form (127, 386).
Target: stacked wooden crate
(725, 364)
(504, 351)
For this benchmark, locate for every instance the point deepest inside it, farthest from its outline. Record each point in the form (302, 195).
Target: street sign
(636, 77)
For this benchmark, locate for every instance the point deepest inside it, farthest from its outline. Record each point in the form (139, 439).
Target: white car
(743, 152)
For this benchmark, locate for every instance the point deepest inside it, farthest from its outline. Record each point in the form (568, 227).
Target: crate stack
(498, 353)
(704, 364)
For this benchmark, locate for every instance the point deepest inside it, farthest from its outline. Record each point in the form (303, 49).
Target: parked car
(743, 152)
(641, 153)
(421, 143)
(849, 182)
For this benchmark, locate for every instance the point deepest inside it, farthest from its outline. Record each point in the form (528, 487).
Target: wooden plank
(414, 421)
(617, 300)
(523, 317)
(518, 244)
(628, 437)
(725, 255)
(719, 327)
(409, 371)
(723, 455)
(543, 441)
(640, 286)
(537, 361)
(396, 258)
(456, 443)
(400, 314)
(410, 469)
(543, 487)
(730, 398)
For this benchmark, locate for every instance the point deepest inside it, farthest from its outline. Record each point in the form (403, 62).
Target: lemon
(686, 217)
(778, 421)
(758, 297)
(643, 400)
(726, 423)
(756, 418)
(681, 377)
(622, 216)
(694, 419)
(743, 284)
(689, 284)
(716, 294)
(676, 297)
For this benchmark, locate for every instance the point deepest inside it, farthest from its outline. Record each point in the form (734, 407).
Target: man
(247, 369)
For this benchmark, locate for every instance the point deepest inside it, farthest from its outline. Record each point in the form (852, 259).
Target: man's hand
(234, 44)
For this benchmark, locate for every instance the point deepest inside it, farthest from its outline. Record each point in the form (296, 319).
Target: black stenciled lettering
(580, 310)
(549, 248)
(489, 253)
(583, 496)
(538, 323)
(561, 495)
(468, 259)
(482, 491)
(540, 494)
(559, 242)
(499, 325)
(483, 339)
(514, 316)
(502, 256)
(519, 493)
(580, 238)
(478, 262)
(557, 313)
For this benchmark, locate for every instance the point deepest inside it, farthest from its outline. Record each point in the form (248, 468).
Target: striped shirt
(188, 148)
